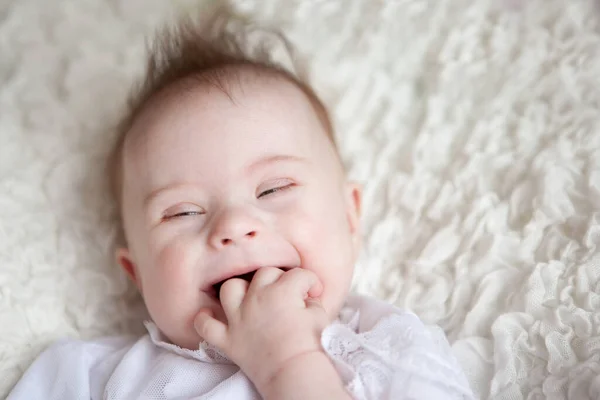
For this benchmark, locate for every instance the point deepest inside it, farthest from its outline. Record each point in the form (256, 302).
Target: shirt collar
(205, 353)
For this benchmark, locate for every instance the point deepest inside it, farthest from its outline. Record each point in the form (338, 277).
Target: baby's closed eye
(274, 187)
(189, 209)
(182, 210)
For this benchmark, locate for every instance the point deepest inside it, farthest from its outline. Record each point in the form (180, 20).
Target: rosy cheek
(171, 257)
(172, 263)
(171, 284)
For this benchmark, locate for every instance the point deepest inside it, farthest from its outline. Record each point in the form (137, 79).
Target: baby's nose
(234, 227)
(227, 240)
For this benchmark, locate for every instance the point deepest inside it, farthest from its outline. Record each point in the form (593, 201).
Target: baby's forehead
(261, 113)
(228, 91)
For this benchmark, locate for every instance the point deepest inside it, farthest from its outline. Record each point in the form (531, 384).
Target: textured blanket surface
(473, 125)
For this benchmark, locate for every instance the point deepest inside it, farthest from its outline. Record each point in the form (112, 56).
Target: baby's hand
(272, 321)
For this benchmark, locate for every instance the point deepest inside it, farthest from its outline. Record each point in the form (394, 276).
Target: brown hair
(213, 50)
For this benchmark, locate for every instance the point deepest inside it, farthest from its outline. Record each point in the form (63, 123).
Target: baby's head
(226, 163)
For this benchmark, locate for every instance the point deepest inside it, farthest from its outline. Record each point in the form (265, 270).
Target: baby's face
(215, 188)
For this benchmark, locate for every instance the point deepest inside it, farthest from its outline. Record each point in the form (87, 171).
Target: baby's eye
(182, 211)
(276, 189)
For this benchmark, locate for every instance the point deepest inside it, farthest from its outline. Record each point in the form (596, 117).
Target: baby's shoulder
(364, 313)
(82, 350)
(100, 343)
(380, 348)
(65, 369)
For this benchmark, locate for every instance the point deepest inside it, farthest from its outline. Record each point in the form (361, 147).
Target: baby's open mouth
(247, 277)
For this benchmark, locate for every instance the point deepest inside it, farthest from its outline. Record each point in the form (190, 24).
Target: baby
(241, 233)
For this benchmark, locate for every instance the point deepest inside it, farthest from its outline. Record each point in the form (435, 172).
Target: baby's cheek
(176, 266)
(172, 275)
(171, 257)
(332, 253)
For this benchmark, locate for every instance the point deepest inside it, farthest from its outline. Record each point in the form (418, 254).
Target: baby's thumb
(316, 289)
(210, 329)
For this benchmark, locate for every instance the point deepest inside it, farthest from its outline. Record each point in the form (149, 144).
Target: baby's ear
(353, 208)
(126, 262)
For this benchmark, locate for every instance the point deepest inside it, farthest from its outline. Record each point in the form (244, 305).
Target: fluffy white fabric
(473, 125)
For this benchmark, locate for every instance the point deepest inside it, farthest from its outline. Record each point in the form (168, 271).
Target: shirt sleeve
(398, 358)
(62, 372)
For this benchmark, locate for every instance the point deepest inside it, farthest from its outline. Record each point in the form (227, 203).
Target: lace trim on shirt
(205, 353)
(398, 352)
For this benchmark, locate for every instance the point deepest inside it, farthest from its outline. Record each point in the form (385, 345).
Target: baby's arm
(273, 334)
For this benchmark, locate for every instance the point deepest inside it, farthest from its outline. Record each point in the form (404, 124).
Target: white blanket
(474, 125)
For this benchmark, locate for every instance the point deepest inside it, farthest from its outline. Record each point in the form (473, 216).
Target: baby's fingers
(303, 282)
(232, 295)
(211, 329)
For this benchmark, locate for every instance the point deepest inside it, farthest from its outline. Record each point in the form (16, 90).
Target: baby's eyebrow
(155, 194)
(271, 159)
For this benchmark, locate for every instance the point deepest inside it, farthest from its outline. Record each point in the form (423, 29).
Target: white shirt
(380, 352)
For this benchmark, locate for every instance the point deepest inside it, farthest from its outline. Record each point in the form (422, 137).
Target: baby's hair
(215, 51)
